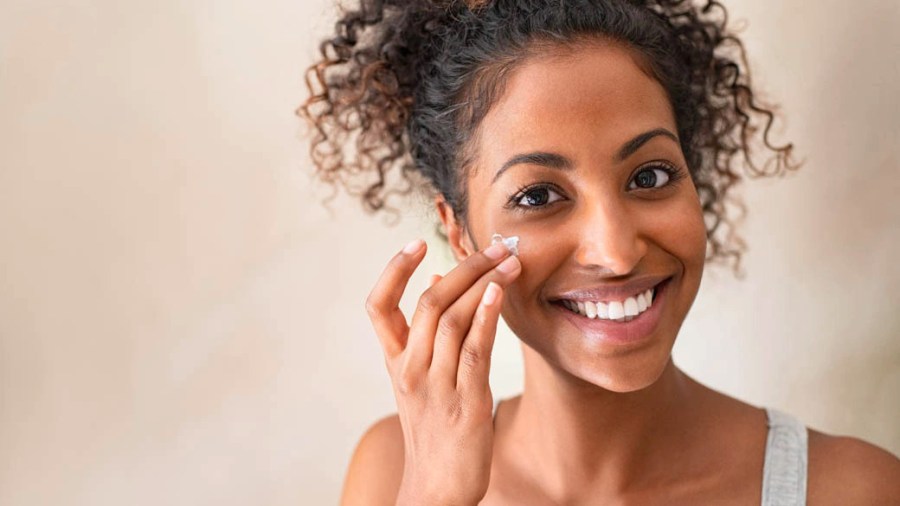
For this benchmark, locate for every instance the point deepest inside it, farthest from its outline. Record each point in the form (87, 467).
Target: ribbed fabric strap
(784, 471)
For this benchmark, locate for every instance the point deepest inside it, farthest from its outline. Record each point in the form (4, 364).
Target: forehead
(587, 100)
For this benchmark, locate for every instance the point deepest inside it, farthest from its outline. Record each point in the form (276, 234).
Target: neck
(572, 435)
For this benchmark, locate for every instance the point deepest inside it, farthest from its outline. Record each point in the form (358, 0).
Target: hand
(439, 368)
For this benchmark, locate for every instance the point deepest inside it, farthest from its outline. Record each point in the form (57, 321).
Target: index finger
(383, 302)
(451, 287)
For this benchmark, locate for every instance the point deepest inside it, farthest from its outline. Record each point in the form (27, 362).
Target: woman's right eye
(533, 197)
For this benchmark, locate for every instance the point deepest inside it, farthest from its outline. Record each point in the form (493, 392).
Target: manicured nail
(413, 247)
(490, 294)
(509, 265)
(496, 251)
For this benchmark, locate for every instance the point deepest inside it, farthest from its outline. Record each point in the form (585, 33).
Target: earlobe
(457, 234)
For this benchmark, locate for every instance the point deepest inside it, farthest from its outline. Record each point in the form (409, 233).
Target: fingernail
(496, 251)
(413, 247)
(490, 294)
(509, 265)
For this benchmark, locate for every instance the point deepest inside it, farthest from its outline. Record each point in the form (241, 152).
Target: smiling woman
(606, 135)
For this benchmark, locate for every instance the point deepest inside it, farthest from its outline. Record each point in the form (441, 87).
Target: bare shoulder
(376, 468)
(848, 470)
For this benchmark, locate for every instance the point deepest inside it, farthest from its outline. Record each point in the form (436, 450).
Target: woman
(600, 133)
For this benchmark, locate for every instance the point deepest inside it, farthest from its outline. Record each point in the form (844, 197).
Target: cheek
(693, 230)
(680, 230)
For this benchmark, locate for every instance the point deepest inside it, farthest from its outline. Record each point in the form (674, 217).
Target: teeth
(631, 307)
(603, 310)
(625, 310)
(616, 310)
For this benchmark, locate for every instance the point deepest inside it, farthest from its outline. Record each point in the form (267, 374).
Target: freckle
(511, 243)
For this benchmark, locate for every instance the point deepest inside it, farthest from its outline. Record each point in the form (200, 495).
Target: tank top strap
(785, 466)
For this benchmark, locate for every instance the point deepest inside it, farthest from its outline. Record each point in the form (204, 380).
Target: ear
(457, 234)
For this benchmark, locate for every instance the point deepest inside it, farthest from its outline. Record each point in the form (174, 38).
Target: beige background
(182, 322)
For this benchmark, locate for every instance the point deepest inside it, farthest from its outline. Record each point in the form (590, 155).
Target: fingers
(434, 279)
(383, 301)
(475, 356)
(436, 300)
(457, 321)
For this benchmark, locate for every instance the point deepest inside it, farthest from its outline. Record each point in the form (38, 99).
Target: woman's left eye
(653, 176)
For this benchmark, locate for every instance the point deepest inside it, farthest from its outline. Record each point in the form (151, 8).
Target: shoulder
(847, 470)
(376, 467)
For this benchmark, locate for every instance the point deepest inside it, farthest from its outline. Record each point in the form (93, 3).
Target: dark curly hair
(406, 83)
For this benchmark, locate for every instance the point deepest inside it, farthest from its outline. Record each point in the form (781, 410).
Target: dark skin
(600, 423)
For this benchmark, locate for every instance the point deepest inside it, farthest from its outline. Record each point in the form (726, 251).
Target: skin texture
(597, 423)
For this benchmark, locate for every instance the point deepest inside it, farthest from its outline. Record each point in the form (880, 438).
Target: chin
(623, 374)
(629, 372)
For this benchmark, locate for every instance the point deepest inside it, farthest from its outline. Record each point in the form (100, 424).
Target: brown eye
(655, 176)
(535, 197)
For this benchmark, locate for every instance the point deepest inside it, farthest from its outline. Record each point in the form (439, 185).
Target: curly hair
(406, 83)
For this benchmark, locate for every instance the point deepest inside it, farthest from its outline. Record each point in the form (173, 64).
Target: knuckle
(449, 324)
(455, 410)
(471, 356)
(373, 305)
(428, 302)
(407, 384)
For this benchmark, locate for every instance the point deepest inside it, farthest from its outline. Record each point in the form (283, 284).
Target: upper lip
(610, 291)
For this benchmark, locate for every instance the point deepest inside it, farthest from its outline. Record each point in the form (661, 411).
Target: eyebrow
(557, 161)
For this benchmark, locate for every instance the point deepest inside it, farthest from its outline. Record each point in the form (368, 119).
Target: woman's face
(593, 207)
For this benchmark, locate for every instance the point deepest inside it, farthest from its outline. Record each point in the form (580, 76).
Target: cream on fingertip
(511, 243)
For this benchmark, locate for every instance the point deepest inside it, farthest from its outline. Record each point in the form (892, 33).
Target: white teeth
(616, 310)
(603, 310)
(631, 307)
(620, 311)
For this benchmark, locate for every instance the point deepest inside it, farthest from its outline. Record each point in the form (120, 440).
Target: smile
(617, 322)
(616, 310)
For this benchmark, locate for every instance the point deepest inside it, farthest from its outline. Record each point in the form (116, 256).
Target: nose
(609, 238)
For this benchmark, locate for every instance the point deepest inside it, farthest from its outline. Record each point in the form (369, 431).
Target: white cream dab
(511, 243)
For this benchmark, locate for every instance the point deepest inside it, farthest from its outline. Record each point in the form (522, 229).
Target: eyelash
(674, 173)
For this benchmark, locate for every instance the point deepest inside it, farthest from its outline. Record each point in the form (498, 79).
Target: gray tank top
(784, 469)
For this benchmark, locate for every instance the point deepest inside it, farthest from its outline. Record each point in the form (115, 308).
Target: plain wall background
(182, 322)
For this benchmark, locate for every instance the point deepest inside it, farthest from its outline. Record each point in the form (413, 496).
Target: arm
(847, 470)
(376, 468)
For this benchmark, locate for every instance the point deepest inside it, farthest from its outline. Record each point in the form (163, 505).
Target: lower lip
(620, 333)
